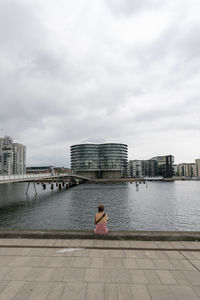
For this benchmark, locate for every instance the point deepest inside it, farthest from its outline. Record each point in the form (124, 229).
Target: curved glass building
(100, 160)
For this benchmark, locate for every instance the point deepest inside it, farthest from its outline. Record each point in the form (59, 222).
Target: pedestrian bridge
(36, 177)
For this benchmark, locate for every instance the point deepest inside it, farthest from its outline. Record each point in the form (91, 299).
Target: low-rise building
(186, 169)
(197, 165)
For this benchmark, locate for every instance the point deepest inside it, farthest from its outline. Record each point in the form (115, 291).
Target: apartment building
(12, 157)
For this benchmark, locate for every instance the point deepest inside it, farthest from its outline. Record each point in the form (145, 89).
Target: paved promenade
(99, 269)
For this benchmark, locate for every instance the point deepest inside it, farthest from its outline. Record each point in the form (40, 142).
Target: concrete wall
(88, 174)
(111, 174)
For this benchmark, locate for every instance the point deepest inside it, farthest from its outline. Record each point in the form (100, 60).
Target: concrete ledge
(112, 235)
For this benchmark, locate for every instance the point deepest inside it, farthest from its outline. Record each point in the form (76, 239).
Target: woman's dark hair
(101, 207)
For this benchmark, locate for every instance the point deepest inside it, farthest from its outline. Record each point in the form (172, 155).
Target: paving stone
(39, 252)
(160, 292)
(17, 273)
(104, 275)
(196, 255)
(120, 275)
(3, 285)
(113, 263)
(5, 261)
(74, 291)
(180, 278)
(192, 276)
(152, 254)
(95, 291)
(41, 291)
(11, 290)
(26, 290)
(74, 274)
(188, 254)
(166, 277)
(56, 291)
(81, 253)
(141, 254)
(130, 254)
(116, 253)
(60, 262)
(196, 290)
(4, 271)
(40, 274)
(99, 253)
(188, 245)
(130, 263)
(182, 264)
(100, 243)
(115, 243)
(196, 244)
(97, 262)
(183, 293)
(174, 255)
(139, 292)
(92, 275)
(164, 245)
(195, 262)
(152, 277)
(138, 276)
(37, 261)
(163, 264)
(124, 291)
(111, 291)
(74, 242)
(146, 264)
(81, 262)
(58, 274)
(162, 255)
(87, 243)
(18, 261)
(176, 245)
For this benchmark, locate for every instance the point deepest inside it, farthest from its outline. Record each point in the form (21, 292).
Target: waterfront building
(197, 165)
(175, 170)
(156, 166)
(107, 160)
(12, 157)
(141, 168)
(164, 165)
(186, 169)
(39, 170)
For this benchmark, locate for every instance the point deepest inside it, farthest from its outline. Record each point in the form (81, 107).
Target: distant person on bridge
(100, 221)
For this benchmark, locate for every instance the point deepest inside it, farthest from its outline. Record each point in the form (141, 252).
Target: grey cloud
(54, 95)
(129, 7)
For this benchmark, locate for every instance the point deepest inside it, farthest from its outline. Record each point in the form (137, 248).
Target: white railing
(5, 178)
(17, 178)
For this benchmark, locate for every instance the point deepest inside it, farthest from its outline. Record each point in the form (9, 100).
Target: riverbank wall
(112, 235)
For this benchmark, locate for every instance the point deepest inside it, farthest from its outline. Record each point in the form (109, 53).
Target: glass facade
(99, 157)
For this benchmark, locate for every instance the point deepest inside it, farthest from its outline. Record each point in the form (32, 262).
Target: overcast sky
(80, 71)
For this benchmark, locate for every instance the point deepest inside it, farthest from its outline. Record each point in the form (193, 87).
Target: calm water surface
(157, 206)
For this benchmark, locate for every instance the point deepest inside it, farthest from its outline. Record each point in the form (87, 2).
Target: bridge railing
(21, 177)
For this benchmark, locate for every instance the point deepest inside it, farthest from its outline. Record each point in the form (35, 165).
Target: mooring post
(35, 188)
(27, 188)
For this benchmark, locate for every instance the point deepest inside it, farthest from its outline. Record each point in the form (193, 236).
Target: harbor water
(152, 206)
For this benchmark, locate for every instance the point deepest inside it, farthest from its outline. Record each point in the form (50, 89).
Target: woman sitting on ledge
(100, 221)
